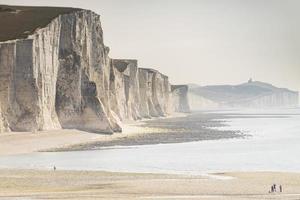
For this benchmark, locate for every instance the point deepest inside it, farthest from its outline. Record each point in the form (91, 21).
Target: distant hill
(254, 94)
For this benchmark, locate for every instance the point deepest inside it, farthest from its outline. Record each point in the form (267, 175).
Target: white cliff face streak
(20, 105)
(83, 74)
(124, 88)
(7, 65)
(60, 76)
(154, 93)
(180, 98)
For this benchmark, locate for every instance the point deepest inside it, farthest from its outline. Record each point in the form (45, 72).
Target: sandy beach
(178, 128)
(34, 184)
(150, 100)
(60, 184)
(13, 143)
(153, 131)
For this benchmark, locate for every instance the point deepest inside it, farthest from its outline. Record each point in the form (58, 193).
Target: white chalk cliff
(60, 76)
(180, 98)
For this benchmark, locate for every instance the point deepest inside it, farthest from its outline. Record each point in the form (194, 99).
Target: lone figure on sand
(272, 188)
(54, 168)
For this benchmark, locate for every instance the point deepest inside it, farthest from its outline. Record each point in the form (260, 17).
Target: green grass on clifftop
(17, 22)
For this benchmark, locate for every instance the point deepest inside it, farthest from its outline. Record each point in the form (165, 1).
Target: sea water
(273, 145)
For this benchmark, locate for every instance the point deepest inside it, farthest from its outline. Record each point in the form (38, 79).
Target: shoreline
(44, 184)
(14, 143)
(33, 184)
(143, 132)
(175, 129)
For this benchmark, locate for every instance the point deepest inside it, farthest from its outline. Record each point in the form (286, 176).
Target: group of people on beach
(274, 188)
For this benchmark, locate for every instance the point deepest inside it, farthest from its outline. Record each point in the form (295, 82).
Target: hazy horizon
(206, 42)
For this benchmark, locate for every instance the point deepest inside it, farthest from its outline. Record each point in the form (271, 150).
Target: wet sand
(193, 127)
(34, 184)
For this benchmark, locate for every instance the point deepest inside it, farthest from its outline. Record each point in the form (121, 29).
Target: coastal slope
(252, 94)
(56, 73)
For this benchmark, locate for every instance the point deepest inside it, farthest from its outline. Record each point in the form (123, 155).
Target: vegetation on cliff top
(17, 22)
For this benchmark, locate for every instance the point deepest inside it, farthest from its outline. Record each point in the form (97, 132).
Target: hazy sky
(202, 41)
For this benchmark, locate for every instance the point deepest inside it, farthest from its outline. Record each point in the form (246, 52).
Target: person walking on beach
(272, 188)
(54, 168)
(270, 191)
(280, 188)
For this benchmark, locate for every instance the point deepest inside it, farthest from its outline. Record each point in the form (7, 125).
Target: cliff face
(54, 77)
(61, 76)
(124, 88)
(180, 98)
(3, 124)
(138, 92)
(154, 93)
(161, 90)
(24, 92)
(82, 96)
(276, 99)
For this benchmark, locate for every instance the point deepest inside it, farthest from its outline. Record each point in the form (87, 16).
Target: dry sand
(33, 184)
(28, 142)
(174, 129)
